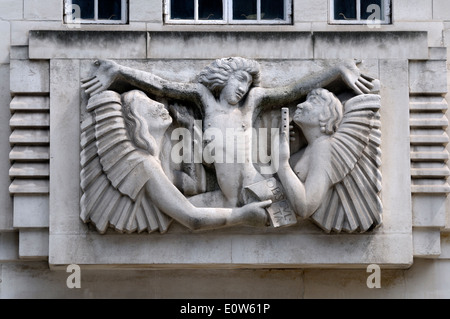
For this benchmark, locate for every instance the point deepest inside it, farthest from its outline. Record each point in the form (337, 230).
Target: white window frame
(228, 15)
(68, 10)
(386, 11)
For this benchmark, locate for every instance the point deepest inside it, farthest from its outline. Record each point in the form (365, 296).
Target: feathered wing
(354, 203)
(113, 173)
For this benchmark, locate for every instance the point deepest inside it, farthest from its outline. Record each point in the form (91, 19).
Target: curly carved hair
(216, 75)
(331, 117)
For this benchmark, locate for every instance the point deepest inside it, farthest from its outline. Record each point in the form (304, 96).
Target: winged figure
(123, 182)
(335, 180)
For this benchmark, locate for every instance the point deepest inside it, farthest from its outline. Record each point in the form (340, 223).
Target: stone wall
(26, 158)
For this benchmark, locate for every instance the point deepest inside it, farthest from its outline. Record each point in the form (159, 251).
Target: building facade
(49, 55)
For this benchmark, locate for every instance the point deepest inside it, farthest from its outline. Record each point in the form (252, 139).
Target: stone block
(395, 122)
(433, 28)
(351, 284)
(29, 76)
(412, 10)
(29, 137)
(6, 210)
(64, 195)
(427, 242)
(11, 10)
(87, 45)
(29, 120)
(427, 279)
(31, 211)
(29, 170)
(29, 186)
(429, 211)
(19, 52)
(447, 36)
(428, 104)
(9, 246)
(29, 153)
(34, 10)
(211, 45)
(30, 103)
(441, 10)
(229, 250)
(310, 10)
(260, 283)
(33, 243)
(438, 53)
(20, 29)
(5, 42)
(428, 77)
(147, 11)
(445, 246)
(367, 45)
(447, 219)
(38, 281)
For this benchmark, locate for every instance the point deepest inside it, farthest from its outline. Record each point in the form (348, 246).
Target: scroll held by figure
(137, 177)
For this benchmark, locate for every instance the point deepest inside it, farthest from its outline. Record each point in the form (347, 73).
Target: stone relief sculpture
(128, 182)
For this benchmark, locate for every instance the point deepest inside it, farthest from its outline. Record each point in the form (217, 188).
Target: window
(360, 11)
(228, 11)
(96, 11)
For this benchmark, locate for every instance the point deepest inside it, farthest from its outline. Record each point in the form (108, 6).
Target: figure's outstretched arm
(109, 72)
(170, 201)
(346, 70)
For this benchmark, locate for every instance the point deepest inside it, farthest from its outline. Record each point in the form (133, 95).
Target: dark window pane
(86, 9)
(344, 9)
(272, 9)
(244, 9)
(376, 10)
(210, 10)
(182, 9)
(109, 9)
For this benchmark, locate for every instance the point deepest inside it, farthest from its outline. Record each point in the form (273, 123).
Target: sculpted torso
(234, 167)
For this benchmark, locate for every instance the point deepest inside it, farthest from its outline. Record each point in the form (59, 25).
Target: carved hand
(352, 76)
(106, 74)
(253, 214)
(284, 149)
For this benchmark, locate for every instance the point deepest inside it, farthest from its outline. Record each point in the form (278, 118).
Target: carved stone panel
(333, 179)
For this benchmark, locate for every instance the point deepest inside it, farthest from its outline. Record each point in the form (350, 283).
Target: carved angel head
(321, 108)
(218, 74)
(144, 118)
